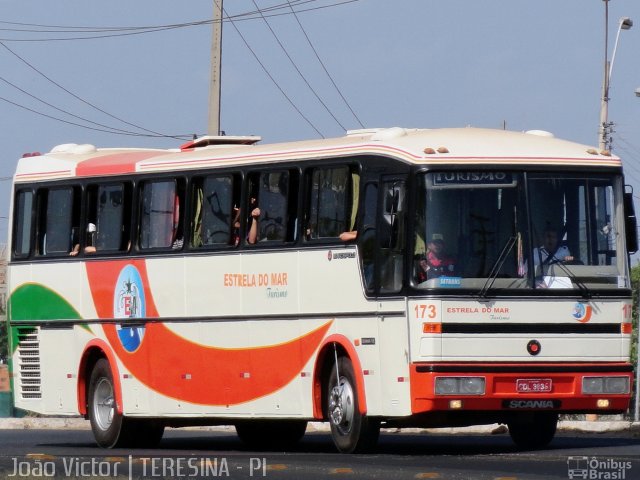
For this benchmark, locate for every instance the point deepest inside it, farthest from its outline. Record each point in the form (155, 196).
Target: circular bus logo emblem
(582, 312)
(129, 302)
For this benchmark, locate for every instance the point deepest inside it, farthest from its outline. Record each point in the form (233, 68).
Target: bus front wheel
(536, 432)
(351, 431)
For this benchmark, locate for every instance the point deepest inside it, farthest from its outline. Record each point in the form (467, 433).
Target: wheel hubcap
(104, 404)
(341, 406)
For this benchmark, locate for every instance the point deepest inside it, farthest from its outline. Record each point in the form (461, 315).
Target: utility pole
(605, 130)
(216, 64)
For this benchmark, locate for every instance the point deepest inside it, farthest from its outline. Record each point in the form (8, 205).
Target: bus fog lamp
(602, 403)
(455, 404)
(460, 386)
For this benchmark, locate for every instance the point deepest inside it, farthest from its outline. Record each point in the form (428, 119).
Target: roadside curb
(77, 423)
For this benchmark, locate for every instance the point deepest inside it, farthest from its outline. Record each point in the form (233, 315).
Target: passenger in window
(177, 235)
(551, 250)
(348, 236)
(254, 216)
(177, 244)
(235, 232)
(75, 241)
(435, 262)
(90, 247)
(91, 239)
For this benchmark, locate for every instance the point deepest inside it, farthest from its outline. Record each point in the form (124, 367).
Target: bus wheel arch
(339, 393)
(325, 364)
(94, 351)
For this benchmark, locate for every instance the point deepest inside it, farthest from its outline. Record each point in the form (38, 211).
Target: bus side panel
(393, 356)
(330, 282)
(44, 293)
(59, 376)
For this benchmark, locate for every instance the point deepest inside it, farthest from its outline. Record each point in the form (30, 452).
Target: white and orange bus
(389, 278)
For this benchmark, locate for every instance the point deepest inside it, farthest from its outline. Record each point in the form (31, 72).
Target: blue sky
(412, 63)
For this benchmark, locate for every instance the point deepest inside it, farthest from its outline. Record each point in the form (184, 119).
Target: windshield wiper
(497, 265)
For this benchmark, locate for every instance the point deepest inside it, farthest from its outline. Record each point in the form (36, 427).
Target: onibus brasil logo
(597, 468)
(129, 302)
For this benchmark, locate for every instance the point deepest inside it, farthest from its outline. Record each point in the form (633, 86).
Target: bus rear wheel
(351, 431)
(270, 434)
(534, 433)
(106, 423)
(110, 428)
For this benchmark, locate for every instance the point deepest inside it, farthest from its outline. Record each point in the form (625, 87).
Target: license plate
(533, 385)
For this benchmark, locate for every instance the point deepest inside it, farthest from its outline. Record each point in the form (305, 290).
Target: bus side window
(275, 195)
(108, 217)
(215, 203)
(391, 231)
(22, 224)
(161, 224)
(331, 203)
(58, 220)
(368, 237)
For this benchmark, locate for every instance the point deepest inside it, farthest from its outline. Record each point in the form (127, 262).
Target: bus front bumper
(502, 387)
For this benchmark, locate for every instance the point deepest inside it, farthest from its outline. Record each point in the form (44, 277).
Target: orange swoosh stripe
(184, 370)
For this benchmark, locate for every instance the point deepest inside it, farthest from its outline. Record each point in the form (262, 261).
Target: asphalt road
(206, 454)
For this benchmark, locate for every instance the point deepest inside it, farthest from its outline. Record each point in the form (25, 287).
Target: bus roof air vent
(389, 134)
(362, 131)
(540, 133)
(74, 148)
(218, 140)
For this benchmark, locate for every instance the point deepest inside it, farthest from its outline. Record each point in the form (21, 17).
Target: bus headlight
(460, 386)
(446, 386)
(472, 386)
(593, 385)
(614, 385)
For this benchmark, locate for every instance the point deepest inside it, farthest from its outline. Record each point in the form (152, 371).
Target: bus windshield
(513, 230)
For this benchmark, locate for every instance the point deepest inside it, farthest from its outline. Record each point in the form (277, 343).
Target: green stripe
(32, 301)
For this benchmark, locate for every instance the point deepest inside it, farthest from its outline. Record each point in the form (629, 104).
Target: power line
(115, 130)
(266, 71)
(323, 66)
(282, 47)
(154, 133)
(629, 165)
(129, 31)
(94, 29)
(130, 134)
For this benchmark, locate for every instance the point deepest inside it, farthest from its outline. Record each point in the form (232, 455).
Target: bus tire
(270, 434)
(107, 424)
(351, 431)
(536, 432)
